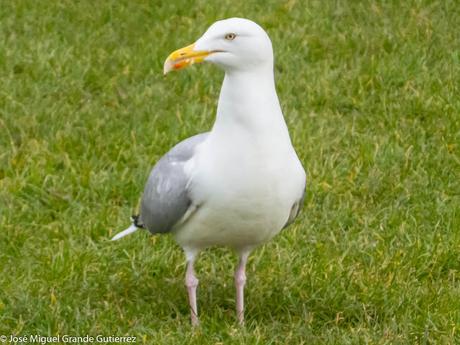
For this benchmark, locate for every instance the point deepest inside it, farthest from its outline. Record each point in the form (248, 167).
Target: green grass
(370, 92)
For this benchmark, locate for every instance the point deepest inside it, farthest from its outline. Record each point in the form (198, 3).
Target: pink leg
(191, 282)
(240, 281)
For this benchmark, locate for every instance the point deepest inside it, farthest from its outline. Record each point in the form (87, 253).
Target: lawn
(370, 93)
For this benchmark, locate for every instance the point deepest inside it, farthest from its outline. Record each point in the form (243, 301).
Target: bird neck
(249, 105)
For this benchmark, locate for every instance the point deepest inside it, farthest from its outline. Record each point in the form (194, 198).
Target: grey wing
(165, 199)
(295, 209)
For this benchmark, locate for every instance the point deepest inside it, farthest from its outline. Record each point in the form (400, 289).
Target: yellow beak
(184, 57)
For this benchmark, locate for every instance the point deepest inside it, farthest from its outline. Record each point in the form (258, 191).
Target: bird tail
(132, 228)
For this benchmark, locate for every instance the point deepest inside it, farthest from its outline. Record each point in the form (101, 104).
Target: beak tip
(167, 67)
(182, 58)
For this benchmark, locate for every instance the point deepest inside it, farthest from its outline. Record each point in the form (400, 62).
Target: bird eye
(230, 36)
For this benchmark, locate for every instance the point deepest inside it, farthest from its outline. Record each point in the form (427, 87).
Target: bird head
(232, 44)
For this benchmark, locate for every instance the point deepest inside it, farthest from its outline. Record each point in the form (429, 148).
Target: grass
(371, 96)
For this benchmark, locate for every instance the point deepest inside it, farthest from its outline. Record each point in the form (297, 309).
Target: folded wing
(165, 199)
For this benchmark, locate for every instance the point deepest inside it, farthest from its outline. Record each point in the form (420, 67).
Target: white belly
(243, 203)
(236, 222)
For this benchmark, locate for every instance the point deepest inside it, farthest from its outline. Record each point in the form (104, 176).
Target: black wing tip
(136, 221)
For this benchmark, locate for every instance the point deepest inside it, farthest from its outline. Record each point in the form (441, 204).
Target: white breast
(244, 192)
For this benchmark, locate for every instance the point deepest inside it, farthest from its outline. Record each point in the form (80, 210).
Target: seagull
(239, 184)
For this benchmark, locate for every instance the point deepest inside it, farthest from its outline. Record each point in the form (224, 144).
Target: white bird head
(232, 44)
